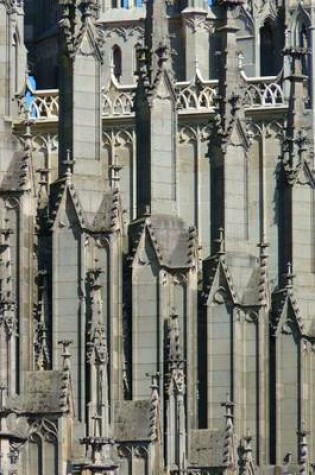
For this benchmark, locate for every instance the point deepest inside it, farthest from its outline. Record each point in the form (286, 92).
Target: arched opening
(117, 62)
(268, 59)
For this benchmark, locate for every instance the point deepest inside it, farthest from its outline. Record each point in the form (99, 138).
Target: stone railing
(192, 98)
(198, 97)
(117, 102)
(264, 92)
(43, 105)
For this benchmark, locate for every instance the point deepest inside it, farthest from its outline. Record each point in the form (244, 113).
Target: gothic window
(43, 452)
(117, 62)
(267, 51)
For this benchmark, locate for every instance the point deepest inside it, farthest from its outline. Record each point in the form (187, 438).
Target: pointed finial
(228, 404)
(68, 163)
(289, 276)
(155, 377)
(115, 169)
(221, 241)
(147, 211)
(65, 353)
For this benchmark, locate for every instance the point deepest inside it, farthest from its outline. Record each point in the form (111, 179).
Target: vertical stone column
(80, 90)
(196, 32)
(156, 118)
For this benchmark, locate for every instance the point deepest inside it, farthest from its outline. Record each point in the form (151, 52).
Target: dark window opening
(117, 62)
(268, 60)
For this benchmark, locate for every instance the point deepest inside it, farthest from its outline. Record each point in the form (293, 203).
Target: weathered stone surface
(156, 237)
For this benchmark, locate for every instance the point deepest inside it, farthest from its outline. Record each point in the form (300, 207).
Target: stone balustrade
(197, 97)
(117, 102)
(43, 105)
(263, 92)
(192, 98)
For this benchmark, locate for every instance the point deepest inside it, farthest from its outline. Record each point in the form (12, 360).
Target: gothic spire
(156, 24)
(157, 39)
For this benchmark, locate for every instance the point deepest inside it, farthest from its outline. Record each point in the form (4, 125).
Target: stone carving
(43, 428)
(118, 137)
(264, 94)
(197, 98)
(187, 156)
(228, 453)
(121, 105)
(44, 106)
(199, 22)
(201, 133)
(135, 31)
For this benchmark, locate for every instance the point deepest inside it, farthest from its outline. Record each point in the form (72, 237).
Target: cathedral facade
(157, 244)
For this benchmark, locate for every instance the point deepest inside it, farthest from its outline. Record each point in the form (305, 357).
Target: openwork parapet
(42, 105)
(264, 92)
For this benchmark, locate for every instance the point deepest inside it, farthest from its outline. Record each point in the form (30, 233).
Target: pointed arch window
(117, 62)
(267, 51)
